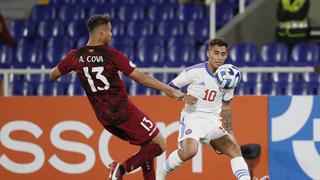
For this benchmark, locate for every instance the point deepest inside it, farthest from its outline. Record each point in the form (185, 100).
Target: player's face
(217, 55)
(107, 35)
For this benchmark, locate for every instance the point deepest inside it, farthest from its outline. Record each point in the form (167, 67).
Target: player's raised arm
(55, 73)
(151, 82)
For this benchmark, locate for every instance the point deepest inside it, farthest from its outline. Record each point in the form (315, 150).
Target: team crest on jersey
(188, 131)
(132, 64)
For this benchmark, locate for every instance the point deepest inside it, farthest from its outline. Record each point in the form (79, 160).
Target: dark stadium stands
(153, 33)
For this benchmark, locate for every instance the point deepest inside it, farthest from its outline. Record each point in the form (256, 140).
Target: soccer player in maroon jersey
(97, 67)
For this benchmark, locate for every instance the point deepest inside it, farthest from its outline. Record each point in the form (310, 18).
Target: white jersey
(201, 83)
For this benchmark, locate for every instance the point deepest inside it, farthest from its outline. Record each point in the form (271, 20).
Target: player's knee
(163, 143)
(235, 150)
(189, 152)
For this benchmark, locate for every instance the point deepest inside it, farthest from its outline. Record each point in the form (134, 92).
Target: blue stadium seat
(22, 29)
(281, 78)
(141, 90)
(45, 88)
(202, 53)
(20, 88)
(274, 54)
(312, 78)
(249, 81)
(150, 41)
(71, 13)
(181, 40)
(65, 40)
(35, 78)
(235, 3)
(161, 12)
(61, 88)
(82, 41)
(17, 78)
(102, 10)
(180, 56)
(129, 13)
(224, 13)
(126, 50)
(305, 54)
(297, 88)
(170, 28)
(28, 56)
(38, 43)
(128, 82)
(148, 3)
(243, 54)
(77, 29)
(281, 82)
(267, 84)
(281, 89)
(118, 28)
(191, 11)
(198, 30)
(118, 4)
(150, 56)
(59, 3)
(6, 56)
(50, 28)
(174, 3)
(139, 28)
(84, 3)
(54, 55)
(75, 89)
(312, 83)
(42, 12)
(68, 78)
(122, 41)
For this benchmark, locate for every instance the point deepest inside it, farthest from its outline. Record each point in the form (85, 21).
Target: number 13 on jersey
(99, 76)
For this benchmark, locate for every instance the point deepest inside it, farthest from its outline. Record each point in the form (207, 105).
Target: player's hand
(189, 99)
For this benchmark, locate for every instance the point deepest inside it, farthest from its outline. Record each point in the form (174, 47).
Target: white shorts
(200, 126)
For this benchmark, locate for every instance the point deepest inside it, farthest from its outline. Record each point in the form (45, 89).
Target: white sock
(173, 161)
(240, 168)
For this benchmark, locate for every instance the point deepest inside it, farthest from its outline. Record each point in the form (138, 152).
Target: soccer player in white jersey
(201, 122)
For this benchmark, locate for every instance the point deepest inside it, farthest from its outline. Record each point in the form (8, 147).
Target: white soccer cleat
(161, 173)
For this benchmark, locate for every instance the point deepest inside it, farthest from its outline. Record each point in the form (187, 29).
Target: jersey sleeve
(65, 65)
(183, 79)
(228, 95)
(124, 64)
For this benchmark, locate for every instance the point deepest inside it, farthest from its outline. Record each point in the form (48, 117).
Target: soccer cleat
(114, 171)
(161, 173)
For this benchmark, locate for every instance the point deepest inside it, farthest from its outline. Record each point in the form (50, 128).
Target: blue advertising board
(294, 137)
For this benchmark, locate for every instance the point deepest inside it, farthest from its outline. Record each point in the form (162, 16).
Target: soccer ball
(228, 76)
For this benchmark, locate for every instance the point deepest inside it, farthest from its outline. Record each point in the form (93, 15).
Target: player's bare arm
(55, 73)
(151, 82)
(226, 117)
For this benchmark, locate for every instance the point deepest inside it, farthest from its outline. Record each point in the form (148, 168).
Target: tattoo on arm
(226, 118)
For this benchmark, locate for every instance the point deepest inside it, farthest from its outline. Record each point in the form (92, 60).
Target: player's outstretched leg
(228, 146)
(148, 170)
(189, 148)
(139, 159)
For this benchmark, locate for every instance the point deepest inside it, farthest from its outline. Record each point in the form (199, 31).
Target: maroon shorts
(138, 129)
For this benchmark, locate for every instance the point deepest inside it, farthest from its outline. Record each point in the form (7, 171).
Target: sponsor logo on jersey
(202, 83)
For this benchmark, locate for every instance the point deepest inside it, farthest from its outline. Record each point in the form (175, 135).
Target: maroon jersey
(97, 68)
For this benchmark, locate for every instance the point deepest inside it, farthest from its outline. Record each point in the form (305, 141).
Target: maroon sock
(146, 153)
(148, 171)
